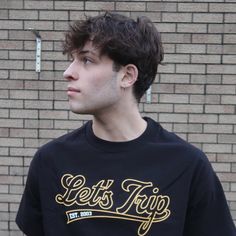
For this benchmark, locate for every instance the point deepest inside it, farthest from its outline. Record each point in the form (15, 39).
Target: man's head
(123, 40)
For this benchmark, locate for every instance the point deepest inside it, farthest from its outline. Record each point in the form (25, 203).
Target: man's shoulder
(67, 140)
(178, 146)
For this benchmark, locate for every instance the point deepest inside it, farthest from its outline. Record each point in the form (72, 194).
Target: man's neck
(118, 127)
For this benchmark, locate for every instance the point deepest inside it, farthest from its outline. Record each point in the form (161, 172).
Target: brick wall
(194, 94)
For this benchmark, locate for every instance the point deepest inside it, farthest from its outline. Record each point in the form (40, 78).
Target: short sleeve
(29, 216)
(208, 212)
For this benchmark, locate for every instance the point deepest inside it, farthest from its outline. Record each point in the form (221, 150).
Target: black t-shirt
(157, 184)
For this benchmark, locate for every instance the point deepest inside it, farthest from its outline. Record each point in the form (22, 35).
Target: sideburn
(116, 67)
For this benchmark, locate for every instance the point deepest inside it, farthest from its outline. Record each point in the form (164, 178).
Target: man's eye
(70, 57)
(86, 60)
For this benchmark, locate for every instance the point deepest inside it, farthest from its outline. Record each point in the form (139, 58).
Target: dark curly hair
(122, 39)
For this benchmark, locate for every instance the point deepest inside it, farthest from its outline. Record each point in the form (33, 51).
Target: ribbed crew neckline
(110, 146)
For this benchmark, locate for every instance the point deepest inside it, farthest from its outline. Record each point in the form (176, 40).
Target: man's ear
(130, 75)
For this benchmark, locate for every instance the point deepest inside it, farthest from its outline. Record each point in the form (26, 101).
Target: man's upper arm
(29, 216)
(208, 212)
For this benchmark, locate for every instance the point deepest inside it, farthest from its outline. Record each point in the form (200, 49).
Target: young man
(119, 174)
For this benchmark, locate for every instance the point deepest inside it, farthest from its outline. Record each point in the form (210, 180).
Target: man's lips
(71, 90)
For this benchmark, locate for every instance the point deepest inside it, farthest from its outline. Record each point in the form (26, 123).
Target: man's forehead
(89, 47)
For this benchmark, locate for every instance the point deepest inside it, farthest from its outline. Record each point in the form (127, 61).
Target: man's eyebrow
(82, 52)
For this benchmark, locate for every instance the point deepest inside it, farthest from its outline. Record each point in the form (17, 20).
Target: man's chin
(81, 111)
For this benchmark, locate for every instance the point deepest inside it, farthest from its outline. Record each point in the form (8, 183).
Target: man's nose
(69, 73)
